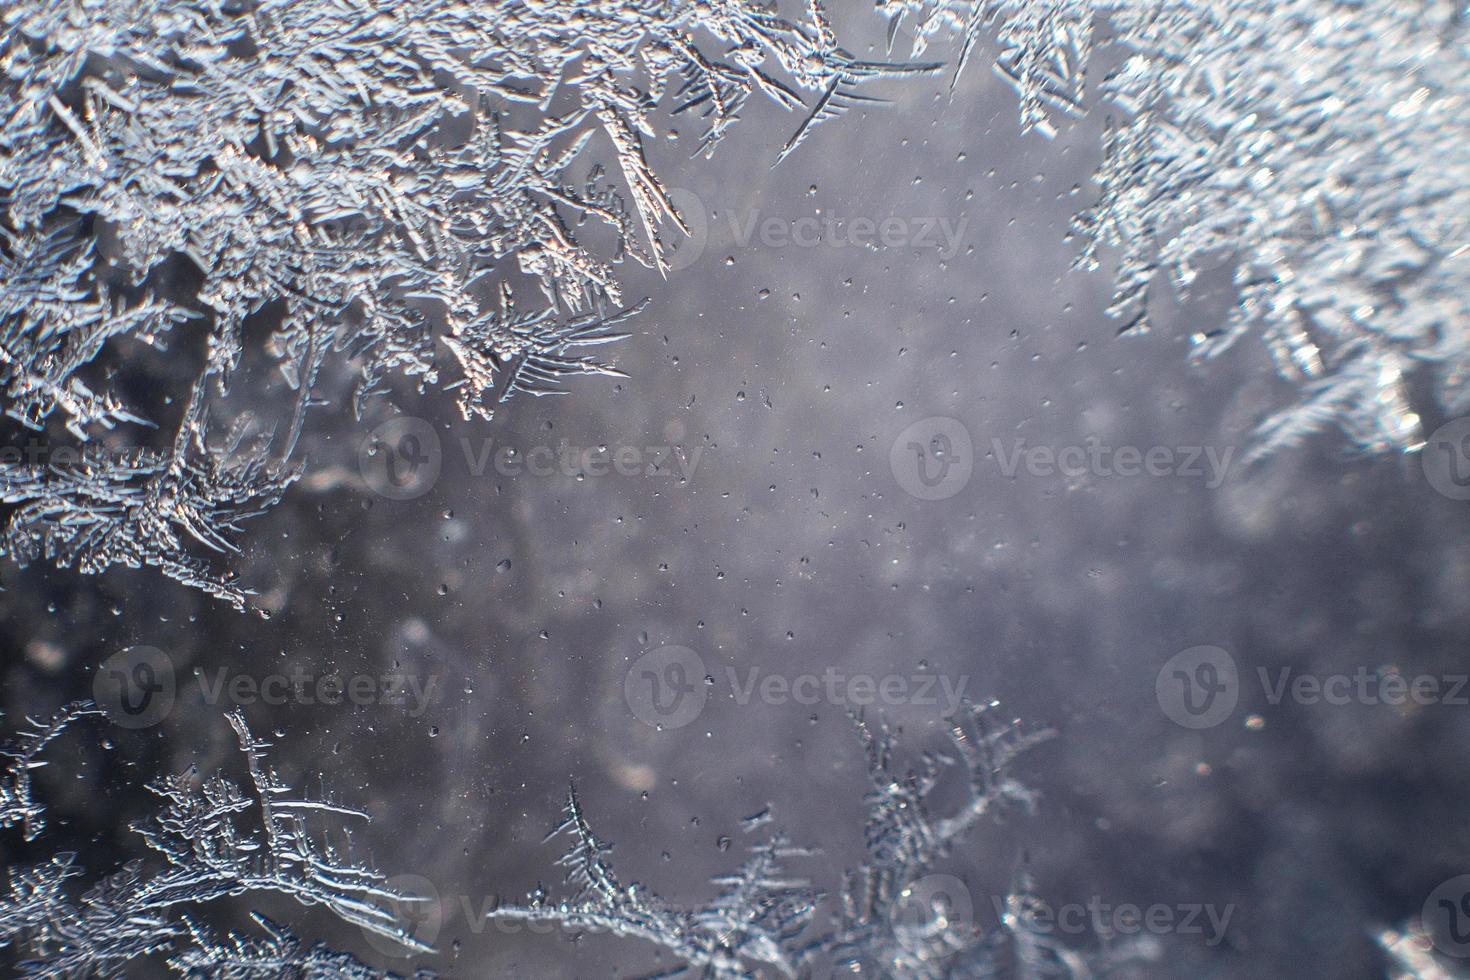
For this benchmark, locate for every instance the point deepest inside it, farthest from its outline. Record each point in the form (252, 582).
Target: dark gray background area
(792, 549)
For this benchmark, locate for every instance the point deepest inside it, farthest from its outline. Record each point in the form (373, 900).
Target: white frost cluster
(1319, 147)
(393, 188)
(765, 921)
(210, 840)
(400, 187)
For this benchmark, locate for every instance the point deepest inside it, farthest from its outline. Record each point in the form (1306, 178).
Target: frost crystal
(1320, 148)
(764, 922)
(209, 852)
(756, 919)
(356, 184)
(279, 954)
(880, 930)
(140, 507)
(17, 804)
(357, 179)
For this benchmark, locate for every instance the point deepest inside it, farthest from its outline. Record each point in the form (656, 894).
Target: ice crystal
(755, 919)
(362, 181)
(764, 921)
(1319, 148)
(276, 955)
(17, 804)
(139, 507)
(879, 929)
(368, 184)
(212, 840)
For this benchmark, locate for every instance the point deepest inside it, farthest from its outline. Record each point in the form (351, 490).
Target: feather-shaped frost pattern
(766, 921)
(211, 839)
(1319, 150)
(352, 175)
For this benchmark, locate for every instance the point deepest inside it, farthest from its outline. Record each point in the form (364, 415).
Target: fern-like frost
(211, 839)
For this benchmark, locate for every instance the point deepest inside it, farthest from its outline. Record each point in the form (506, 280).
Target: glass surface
(882, 456)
